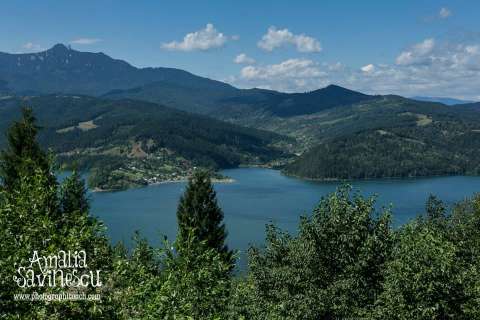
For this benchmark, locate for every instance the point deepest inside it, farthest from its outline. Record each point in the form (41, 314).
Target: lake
(260, 196)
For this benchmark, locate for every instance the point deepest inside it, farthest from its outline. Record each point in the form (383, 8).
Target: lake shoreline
(263, 196)
(183, 180)
(373, 178)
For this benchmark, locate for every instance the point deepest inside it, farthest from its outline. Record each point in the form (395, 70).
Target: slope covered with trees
(389, 137)
(127, 142)
(345, 261)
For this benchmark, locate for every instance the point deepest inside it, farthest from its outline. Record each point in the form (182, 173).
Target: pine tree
(198, 214)
(74, 194)
(23, 155)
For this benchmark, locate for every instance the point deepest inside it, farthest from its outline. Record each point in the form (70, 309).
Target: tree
(331, 269)
(198, 213)
(23, 155)
(435, 210)
(31, 218)
(195, 282)
(73, 195)
(423, 280)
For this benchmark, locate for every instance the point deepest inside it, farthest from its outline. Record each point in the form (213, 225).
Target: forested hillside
(346, 260)
(132, 142)
(392, 137)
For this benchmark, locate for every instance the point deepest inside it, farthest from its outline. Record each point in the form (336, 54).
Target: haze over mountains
(444, 100)
(399, 136)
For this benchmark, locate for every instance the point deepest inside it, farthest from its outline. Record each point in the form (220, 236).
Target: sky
(408, 47)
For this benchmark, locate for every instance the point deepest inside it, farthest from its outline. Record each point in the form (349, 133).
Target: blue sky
(404, 47)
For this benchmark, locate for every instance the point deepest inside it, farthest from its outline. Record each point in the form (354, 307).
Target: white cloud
(291, 68)
(278, 38)
(288, 75)
(417, 54)
(204, 39)
(85, 41)
(369, 68)
(429, 68)
(32, 46)
(242, 58)
(444, 13)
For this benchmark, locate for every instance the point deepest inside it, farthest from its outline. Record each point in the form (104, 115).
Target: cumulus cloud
(204, 39)
(417, 54)
(429, 68)
(288, 75)
(30, 46)
(369, 68)
(85, 41)
(242, 58)
(275, 38)
(444, 13)
(291, 68)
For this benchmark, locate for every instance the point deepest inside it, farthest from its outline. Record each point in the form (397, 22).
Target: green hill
(389, 137)
(127, 142)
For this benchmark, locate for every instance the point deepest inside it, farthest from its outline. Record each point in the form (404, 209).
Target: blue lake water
(259, 196)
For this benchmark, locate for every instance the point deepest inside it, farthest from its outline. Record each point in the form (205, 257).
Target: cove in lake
(260, 196)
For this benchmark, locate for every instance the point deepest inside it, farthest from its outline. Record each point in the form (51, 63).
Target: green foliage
(73, 194)
(196, 282)
(198, 213)
(29, 220)
(332, 268)
(23, 154)
(34, 218)
(107, 144)
(423, 279)
(345, 261)
(387, 137)
(135, 279)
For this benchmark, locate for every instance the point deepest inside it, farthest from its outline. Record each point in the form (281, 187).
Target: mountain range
(94, 107)
(67, 71)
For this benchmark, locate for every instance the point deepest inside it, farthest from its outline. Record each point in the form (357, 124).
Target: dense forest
(346, 261)
(112, 137)
(392, 137)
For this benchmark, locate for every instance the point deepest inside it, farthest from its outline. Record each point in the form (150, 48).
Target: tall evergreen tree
(74, 194)
(198, 213)
(23, 155)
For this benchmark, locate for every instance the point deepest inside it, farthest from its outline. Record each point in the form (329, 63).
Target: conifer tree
(23, 155)
(74, 194)
(198, 213)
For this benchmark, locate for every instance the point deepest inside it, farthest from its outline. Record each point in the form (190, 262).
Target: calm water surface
(259, 196)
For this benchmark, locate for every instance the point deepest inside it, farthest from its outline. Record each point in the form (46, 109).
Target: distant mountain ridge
(67, 71)
(445, 100)
(64, 70)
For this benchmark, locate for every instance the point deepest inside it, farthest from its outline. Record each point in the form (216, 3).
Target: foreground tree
(423, 280)
(195, 282)
(23, 154)
(331, 269)
(199, 216)
(73, 199)
(31, 219)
